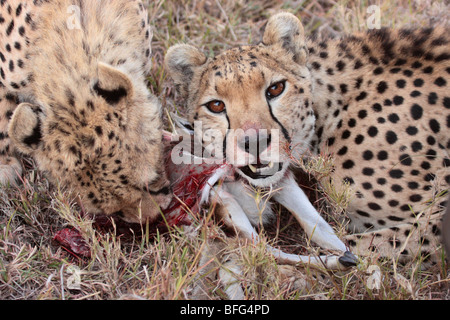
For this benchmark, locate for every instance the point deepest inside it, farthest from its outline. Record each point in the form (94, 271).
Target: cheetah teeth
(254, 169)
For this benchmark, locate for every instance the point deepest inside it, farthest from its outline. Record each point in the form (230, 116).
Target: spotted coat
(73, 96)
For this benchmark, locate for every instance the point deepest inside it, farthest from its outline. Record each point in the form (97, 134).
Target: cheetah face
(253, 103)
(102, 141)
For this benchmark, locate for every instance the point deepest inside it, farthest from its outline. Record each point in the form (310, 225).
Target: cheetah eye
(215, 106)
(275, 90)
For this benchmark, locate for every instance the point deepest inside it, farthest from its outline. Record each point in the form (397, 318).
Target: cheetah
(377, 102)
(73, 96)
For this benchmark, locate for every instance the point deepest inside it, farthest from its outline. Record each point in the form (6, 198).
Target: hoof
(348, 260)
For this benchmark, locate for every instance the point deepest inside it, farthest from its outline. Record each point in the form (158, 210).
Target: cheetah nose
(255, 143)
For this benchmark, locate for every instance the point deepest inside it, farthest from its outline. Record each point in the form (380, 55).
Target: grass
(165, 265)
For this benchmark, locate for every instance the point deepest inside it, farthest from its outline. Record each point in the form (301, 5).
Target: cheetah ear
(286, 31)
(113, 85)
(182, 61)
(25, 127)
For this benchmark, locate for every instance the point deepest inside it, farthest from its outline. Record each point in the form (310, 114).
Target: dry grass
(147, 264)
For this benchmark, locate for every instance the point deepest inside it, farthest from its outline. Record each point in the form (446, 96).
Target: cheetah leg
(10, 167)
(234, 216)
(403, 242)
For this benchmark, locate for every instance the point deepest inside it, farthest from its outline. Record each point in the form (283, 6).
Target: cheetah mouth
(260, 171)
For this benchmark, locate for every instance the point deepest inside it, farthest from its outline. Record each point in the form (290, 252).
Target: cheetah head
(100, 140)
(253, 103)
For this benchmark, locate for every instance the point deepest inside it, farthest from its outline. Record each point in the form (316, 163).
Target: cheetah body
(382, 111)
(74, 97)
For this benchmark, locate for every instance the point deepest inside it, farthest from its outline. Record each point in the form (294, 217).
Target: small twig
(227, 20)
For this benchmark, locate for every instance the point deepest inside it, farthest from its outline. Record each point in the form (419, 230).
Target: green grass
(166, 265)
